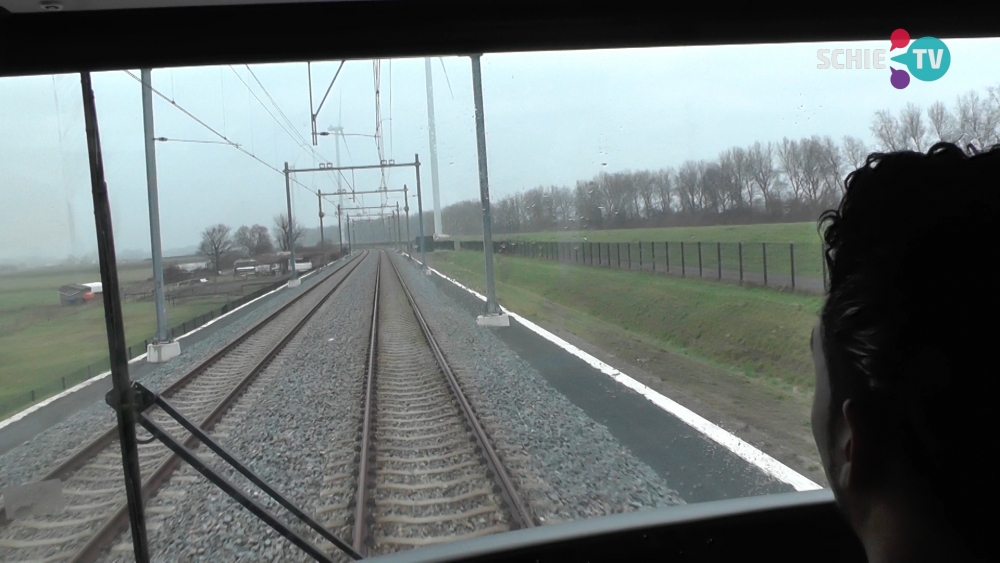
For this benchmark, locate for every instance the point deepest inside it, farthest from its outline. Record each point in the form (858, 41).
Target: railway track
(93, 487)
(428, 473)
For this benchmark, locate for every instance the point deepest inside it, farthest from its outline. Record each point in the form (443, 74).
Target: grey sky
(551, 118)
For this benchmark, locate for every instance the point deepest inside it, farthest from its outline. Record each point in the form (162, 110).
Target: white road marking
(752, 455)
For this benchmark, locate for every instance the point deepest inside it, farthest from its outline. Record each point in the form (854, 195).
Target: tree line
(221, 247)
(784, 181)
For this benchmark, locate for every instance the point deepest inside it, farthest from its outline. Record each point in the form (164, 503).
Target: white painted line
(40, 405)
(752, 455)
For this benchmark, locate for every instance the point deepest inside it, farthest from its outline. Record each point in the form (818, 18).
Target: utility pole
(438, 229)
(399, 245)
(322, 239)
(493, 317)
(162, 348)
(294, 280)
(420, 211)
(409, 240)
(340, 232)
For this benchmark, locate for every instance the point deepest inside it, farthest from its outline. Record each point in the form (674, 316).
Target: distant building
(80, 293)
(194, 266)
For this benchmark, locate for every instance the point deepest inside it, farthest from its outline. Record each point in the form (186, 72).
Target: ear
(846, 445)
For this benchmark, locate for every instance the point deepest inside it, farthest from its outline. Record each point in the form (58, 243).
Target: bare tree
(215, 243)
(943, 124)
(253, 241)
(281, 231)
(790, 157)
(664, 186)
(855, 151)
(688, 180)
(761, 166)
(912, 130)
(885, 128)
(978, 120)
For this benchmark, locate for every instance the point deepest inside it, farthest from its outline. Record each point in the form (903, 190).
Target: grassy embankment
(761, 334)
(41, 341)
(778, 236)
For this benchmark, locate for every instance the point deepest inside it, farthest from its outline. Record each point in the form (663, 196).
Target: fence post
(700, 274)
(640, 255)
(741, 263)
(652, 249)
(666, 250)
(32, 395)
(609, 255)
(599, 261)
(791, 250)
(618, 254)
(718, 248)
(764, 246)
(683, 263)
(629, 256)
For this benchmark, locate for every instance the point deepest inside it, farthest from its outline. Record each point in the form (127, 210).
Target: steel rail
(119, 521)
(514, 504)
(508, 492)
(361, 499)
(91, 449)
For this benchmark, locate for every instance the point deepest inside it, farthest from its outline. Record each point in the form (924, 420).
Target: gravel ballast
(33, 459)
(584, 471)
(296, 423)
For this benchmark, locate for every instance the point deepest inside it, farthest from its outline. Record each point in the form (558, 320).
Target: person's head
(906, 377)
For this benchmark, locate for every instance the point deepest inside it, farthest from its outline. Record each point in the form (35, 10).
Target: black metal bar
(231, 489)
(666, 251)
(741, 263)
(700, 274)
(791, 250)
(243, 469)
(120, 396)
(629, 253)
(618, 254)
(763, 245)
(652, 251)
(718, 248)
(640, 255)
(683, 263)
(609, 255)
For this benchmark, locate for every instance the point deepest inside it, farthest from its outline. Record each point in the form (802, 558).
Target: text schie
(852, 58)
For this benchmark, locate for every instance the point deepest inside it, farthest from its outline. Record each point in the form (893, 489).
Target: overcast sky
(551, 118)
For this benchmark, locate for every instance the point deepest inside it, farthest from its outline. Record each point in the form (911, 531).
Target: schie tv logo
(927, 59)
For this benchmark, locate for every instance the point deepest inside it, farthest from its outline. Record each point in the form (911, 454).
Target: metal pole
(340, 232)
(433, 142)
(718, 250)
(741, 263)
(154, 206)
(399, 233)
(420, 211)
(322, 238)
(120, 396)
(484, 188)
(409, 240)
(291, 230)
(791, 250)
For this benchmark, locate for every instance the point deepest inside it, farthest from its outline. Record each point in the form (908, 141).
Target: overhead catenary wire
(294, 135)
(211, 129)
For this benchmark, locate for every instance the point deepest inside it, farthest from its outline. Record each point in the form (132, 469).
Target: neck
(891, 535)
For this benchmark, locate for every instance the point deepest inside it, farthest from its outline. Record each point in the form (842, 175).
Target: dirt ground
(774, 420)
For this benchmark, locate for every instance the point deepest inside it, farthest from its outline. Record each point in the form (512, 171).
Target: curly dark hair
(912, 309)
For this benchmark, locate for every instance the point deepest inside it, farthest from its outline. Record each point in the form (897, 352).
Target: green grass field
(756, 332)
(41, 341)
(717, 241)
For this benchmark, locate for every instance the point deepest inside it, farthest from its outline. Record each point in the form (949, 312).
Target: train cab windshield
(373, 307)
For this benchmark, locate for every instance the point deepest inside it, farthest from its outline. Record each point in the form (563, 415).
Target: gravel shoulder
(557, 454)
